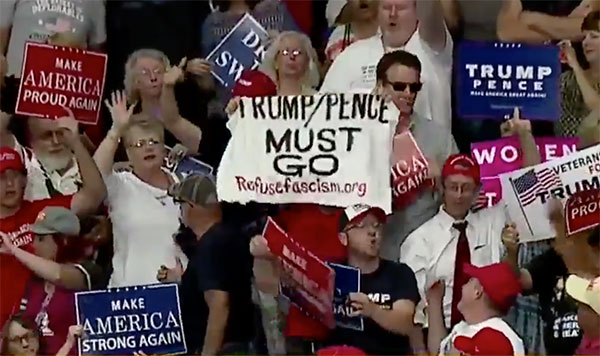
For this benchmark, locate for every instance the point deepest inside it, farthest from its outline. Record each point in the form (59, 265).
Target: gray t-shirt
(436, 144)
(37, 20)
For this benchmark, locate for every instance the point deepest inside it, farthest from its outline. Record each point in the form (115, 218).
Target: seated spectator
(141, 212)
(580, 88)
(424, 35)
(399, 78)
(23, 21)
(352, 20)
(21, 336)
(587, 294)
(17, 215)
(215, 288)
(388, 290)
(486, 298)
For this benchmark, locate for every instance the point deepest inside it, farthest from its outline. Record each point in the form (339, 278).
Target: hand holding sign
(510, 238)
(198, 66)
(174, 74)
(362, 305)
(170, 275)
(259, 247)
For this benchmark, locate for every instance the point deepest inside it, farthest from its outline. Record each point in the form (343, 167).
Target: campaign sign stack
(138, 319)
(494, 78)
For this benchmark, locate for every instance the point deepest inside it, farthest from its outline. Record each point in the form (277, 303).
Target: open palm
(119, 111)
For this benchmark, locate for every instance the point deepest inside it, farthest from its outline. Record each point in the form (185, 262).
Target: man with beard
(51, 167)
(17, 214)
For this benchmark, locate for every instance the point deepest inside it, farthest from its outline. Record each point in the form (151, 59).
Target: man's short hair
(590, 22)
(397, 57)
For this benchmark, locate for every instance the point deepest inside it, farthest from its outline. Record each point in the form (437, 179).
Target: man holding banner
(388, 290)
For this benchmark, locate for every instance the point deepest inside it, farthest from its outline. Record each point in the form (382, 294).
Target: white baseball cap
(585, 291)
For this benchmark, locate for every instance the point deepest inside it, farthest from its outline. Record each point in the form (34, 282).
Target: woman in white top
(144, 217)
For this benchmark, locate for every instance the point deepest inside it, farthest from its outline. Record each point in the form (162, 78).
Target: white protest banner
(528, 190)
(332, 149)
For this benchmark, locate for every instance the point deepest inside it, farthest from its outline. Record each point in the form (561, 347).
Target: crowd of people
(91, 207)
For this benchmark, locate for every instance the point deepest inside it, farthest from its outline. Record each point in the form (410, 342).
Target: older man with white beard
(51, 167)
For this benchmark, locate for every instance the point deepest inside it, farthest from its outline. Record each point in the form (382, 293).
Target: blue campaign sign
(347, 280)
(494, 78)
(242, 48)
(127, 320)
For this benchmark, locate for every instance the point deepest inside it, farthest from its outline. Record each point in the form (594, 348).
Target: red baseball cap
(486, 342)
(10, 159)
(355, 213)
(254, 83)
(499, 282)
(461, 164)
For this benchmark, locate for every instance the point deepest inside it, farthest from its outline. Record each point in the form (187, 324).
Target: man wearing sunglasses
(399, 80)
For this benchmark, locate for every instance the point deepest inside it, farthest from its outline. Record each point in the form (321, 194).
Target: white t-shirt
(464, 329)
(336, 45)
(144, 219)
(354, 71)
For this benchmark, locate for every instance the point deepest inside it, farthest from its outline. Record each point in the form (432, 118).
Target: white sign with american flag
(529, 190)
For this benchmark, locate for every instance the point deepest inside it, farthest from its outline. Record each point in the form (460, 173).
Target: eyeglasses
(401, 86)
(143, 142)
(147, 72)
(20, 338)
(361, 225)
(293, 53)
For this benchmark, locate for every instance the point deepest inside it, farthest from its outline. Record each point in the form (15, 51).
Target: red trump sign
(582, 211)
(54, 77)
(306, 280)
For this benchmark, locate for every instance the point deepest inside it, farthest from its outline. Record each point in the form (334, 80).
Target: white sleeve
(113, 183)
(413, 252)
(337, 79)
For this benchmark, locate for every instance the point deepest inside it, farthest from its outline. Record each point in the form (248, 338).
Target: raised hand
(120, 113)
(198, 66)
(435, 293)
(69, 126)
(174, 74)
(569, 53)
(515, 125)
(259, 247)
(510, 238)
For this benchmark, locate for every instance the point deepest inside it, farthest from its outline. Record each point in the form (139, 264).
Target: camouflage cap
(56, 220)
(196, 189)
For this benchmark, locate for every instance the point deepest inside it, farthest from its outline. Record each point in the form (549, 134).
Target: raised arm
(432, 26)
(93, 190)
(555, 27)
(435, 313)
(591, 98)
(64, 275)
(522, 128)
(510, 27)
(186, 132)
(121, 114)
(452, 15)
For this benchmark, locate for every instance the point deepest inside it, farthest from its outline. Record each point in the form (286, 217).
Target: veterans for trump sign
(528, 190)
(332, 149)
(128, 320)
(242, 48)
(505, 155)
(306, 280)
(494, 78)
(53, 77)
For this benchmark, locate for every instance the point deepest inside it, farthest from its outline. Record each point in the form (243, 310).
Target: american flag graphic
(532, 183)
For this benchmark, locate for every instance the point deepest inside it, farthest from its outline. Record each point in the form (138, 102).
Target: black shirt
(559, 312)
(219, 261)
(390, 282)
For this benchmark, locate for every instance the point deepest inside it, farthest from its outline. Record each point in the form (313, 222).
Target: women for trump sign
(332, 149)
(55, 77)
(495, 78)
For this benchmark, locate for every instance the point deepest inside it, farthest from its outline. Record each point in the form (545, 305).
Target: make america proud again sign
(54, 77)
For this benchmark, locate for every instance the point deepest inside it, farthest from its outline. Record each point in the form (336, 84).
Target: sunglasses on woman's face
(401, 86)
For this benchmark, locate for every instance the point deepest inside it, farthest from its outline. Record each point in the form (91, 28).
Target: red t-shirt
(53, 317)
(14, 275)
(318, 233)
